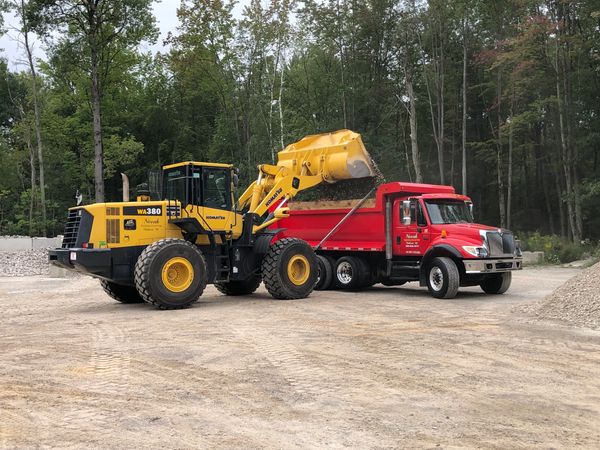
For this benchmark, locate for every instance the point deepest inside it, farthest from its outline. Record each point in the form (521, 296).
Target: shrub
(557, 249)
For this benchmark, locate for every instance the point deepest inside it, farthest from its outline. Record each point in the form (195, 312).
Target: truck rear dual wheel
(325, 272)
(351, 272)
(289, 269)
(121, 293)
(497, 283)
(171, 274)
(239, 287)
(443, 278)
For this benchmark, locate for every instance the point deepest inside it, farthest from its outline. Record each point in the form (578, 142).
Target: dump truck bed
(364, 230)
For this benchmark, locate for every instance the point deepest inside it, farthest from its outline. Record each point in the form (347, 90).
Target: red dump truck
(410, 232)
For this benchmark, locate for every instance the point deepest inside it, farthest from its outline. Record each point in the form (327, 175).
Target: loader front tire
(242, 287)
(289, 269)
(121, 293)
(171, 274)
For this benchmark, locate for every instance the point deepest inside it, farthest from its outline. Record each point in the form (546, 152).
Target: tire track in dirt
(308, 381)
(107, 374)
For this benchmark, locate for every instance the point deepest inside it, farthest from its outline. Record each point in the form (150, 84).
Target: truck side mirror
(406, 219)
(470, 205)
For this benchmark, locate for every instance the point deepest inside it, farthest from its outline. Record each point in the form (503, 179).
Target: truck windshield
(448, 211)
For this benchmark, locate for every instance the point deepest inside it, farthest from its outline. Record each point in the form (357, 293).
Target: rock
(576, 302)
(533, 258)
(23, 263)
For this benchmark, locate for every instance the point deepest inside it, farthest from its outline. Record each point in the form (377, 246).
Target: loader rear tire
(171, 274)
(289, 269)
(239, 287)
(325, 273)
(121, 293)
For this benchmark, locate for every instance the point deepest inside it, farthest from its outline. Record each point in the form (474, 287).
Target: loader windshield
(448, 211)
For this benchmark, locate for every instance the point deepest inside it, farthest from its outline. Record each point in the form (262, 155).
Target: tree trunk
(565, 155)
(280, 103)
(36, 110)
(97, 120)
(464, 113)
(33, 177)
(501, 202)
(413, 131)
(510, 169)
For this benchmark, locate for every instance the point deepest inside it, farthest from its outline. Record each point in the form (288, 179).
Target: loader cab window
(200, 186)
(176, 183)
(216, 188)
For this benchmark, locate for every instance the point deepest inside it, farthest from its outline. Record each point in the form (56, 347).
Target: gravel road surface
(384, 368)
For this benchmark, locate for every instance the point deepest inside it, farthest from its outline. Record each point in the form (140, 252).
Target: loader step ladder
(222, 260)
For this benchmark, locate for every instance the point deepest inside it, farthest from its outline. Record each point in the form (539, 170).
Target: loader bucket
(336, 156)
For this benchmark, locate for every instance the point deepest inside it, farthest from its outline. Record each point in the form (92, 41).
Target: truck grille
(71, 228)
(500, 244)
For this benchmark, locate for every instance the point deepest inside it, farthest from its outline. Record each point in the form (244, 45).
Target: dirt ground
(384, 368)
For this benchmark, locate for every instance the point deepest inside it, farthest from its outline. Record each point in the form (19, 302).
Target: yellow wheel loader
(164, 252)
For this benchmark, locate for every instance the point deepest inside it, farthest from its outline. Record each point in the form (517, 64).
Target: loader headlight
(479, 252)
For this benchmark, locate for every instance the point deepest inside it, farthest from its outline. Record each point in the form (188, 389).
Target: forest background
(500, 99)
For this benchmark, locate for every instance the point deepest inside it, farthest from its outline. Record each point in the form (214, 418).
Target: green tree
(97, 31)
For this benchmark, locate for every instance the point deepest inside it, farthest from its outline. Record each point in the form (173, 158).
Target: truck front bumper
(116, 265)
(492, 265)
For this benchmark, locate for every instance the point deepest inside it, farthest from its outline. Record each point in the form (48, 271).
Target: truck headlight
(479, 252)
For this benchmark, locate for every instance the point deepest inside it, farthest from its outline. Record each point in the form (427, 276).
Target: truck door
(410, 239)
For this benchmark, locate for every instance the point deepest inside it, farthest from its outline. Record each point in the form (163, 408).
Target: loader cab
(199, 184)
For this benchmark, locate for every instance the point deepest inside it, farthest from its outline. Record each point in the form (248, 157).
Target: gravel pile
(23, 263)
(576, 302)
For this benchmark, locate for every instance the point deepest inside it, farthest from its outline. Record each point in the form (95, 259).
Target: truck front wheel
(170, 274)
(289, 269)
(443, 278)
(497, 283)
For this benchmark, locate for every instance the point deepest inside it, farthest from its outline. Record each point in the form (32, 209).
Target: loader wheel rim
(177, 274)
(298, 269)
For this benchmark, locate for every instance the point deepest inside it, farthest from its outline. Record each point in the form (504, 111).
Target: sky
(165, 12)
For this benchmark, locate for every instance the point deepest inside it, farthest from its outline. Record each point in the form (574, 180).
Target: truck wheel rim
(177, 274)
(298, 269)
(344, 272)
(436, 278)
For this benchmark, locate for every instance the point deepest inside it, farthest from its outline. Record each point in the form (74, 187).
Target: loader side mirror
(406, 216)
